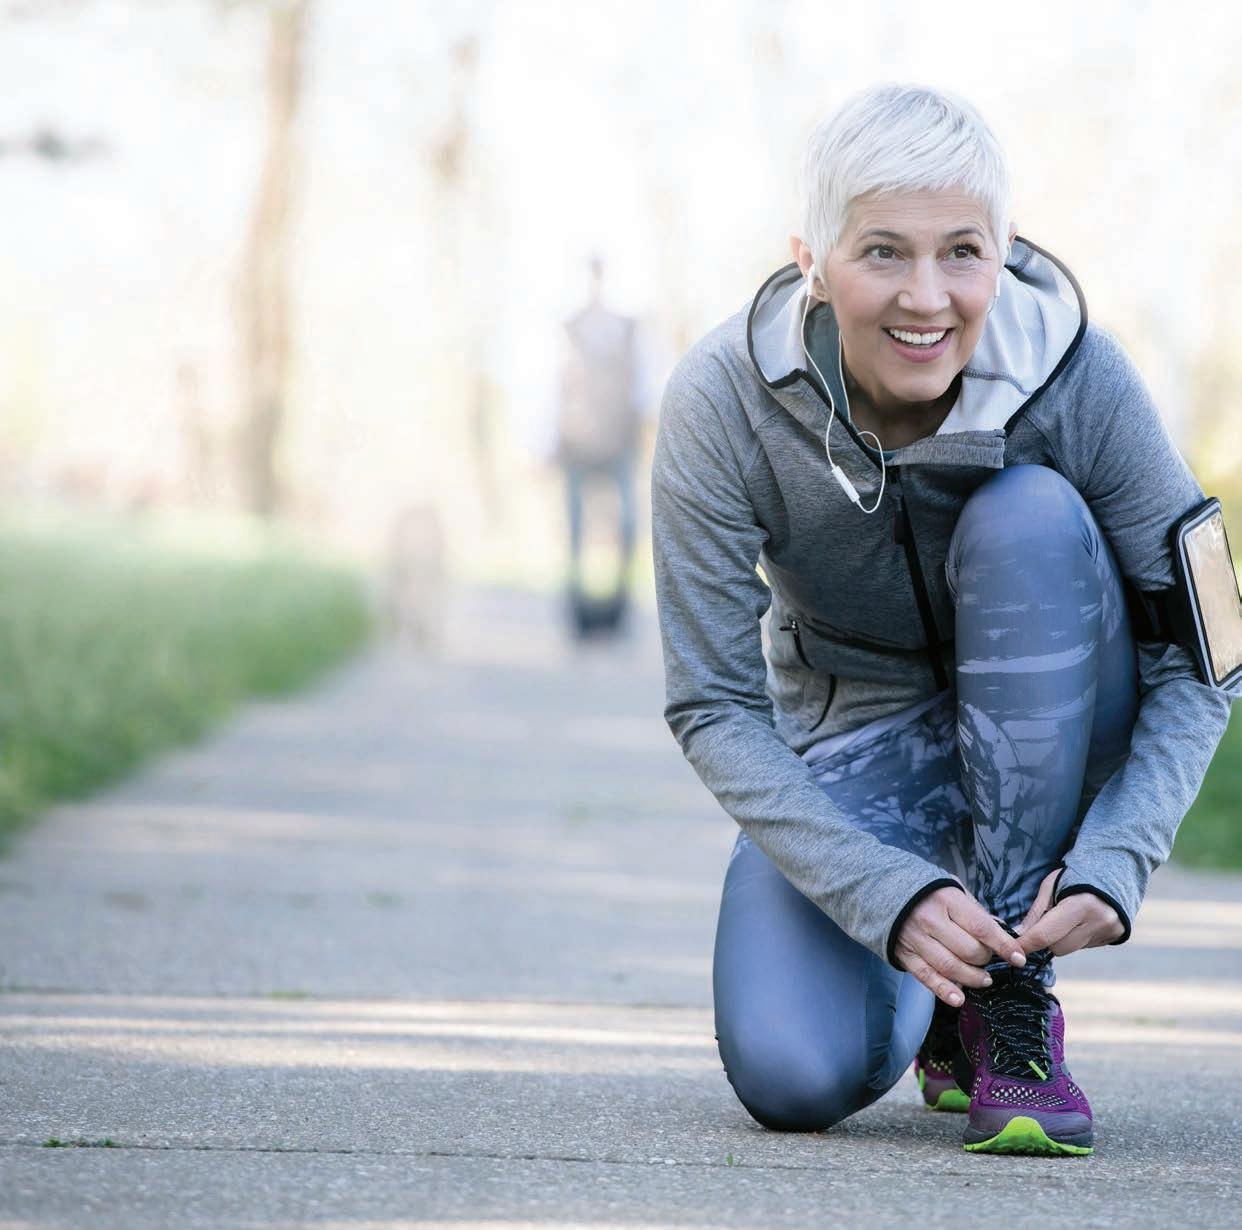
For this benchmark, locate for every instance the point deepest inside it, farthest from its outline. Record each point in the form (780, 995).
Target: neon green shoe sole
(1023, 1134)
(951, 1100)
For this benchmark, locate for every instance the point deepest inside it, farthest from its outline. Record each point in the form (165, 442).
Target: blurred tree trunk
(265, 271)
(456, 175)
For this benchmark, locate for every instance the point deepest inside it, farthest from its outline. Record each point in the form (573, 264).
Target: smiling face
(910, 281)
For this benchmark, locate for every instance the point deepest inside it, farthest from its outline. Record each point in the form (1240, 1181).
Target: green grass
(1211, 834)
(115, 644)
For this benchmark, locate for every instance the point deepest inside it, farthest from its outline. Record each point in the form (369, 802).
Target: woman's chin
(910, 394)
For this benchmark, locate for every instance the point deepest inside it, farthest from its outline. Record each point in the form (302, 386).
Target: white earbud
(996, 297)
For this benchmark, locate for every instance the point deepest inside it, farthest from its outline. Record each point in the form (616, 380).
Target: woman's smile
(920, 346)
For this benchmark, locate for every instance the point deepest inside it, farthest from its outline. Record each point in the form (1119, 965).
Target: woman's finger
(1043, 899)
(1078, 936)
(972, 917)
(946, 963)
(1058, 922)
(959, 941)
(1038, 909)
(940, 986)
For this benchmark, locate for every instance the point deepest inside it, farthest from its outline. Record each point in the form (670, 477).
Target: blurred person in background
(960, 758)
(603, 397)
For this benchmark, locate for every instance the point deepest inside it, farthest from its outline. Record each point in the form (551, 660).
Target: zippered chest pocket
(797, 688)
(794, 628)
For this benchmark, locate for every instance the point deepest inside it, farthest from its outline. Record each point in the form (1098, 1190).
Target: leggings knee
(805, 1095)
(1026, 501)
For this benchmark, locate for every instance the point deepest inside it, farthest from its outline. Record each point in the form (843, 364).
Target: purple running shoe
(934, 1064)
(1022, 1097)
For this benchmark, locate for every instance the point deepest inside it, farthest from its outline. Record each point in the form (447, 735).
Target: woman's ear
(805, 259)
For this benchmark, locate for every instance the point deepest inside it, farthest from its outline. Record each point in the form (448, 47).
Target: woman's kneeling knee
(804, 1095)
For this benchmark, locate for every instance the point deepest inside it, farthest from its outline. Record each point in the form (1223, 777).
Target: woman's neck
(903, 424)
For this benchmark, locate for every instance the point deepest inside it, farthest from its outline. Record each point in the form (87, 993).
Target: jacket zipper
(792, 626)
(903, 533)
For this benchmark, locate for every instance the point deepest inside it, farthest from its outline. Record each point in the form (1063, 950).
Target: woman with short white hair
(958, 760)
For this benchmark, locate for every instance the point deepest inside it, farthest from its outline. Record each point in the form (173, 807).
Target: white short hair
(900, 138)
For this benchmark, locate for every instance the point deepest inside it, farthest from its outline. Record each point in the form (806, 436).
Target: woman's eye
(882, 251)
(965, 251)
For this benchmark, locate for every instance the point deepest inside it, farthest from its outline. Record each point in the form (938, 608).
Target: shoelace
(1015, 1011)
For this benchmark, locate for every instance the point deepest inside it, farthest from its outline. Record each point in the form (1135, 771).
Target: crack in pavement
(851, 1169)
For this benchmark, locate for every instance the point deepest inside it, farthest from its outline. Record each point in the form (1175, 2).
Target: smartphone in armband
(1210, 618)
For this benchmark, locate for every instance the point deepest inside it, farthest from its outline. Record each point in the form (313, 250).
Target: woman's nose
(924, 290)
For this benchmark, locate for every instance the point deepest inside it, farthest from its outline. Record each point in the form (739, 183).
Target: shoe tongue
(1037, 964)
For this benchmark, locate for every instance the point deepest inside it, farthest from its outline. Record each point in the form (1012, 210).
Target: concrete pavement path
(430, 945)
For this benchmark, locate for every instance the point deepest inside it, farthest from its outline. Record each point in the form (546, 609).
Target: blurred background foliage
(303, 262)
(117, 641)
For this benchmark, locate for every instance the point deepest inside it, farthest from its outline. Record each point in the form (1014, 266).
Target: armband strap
(1160, 614)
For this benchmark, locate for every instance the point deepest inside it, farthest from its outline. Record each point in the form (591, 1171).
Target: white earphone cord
(843, 479)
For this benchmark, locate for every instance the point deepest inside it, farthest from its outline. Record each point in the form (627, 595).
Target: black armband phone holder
(1203, 610)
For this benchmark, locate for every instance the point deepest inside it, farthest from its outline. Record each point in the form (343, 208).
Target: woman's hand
(1081, 921)
(945, 940)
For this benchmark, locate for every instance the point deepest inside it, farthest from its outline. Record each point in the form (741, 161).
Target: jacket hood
(1030, 334)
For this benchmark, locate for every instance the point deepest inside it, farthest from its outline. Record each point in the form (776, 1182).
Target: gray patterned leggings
(990, 784)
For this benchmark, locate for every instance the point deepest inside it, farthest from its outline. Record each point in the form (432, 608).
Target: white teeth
(916, 339)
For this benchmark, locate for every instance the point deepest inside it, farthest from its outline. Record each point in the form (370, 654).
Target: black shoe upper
(942, 1044)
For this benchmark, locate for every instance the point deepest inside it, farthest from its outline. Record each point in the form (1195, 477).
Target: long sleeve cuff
(1067, 884)
(890, 947)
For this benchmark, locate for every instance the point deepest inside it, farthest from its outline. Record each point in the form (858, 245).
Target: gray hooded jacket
(861, 619)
